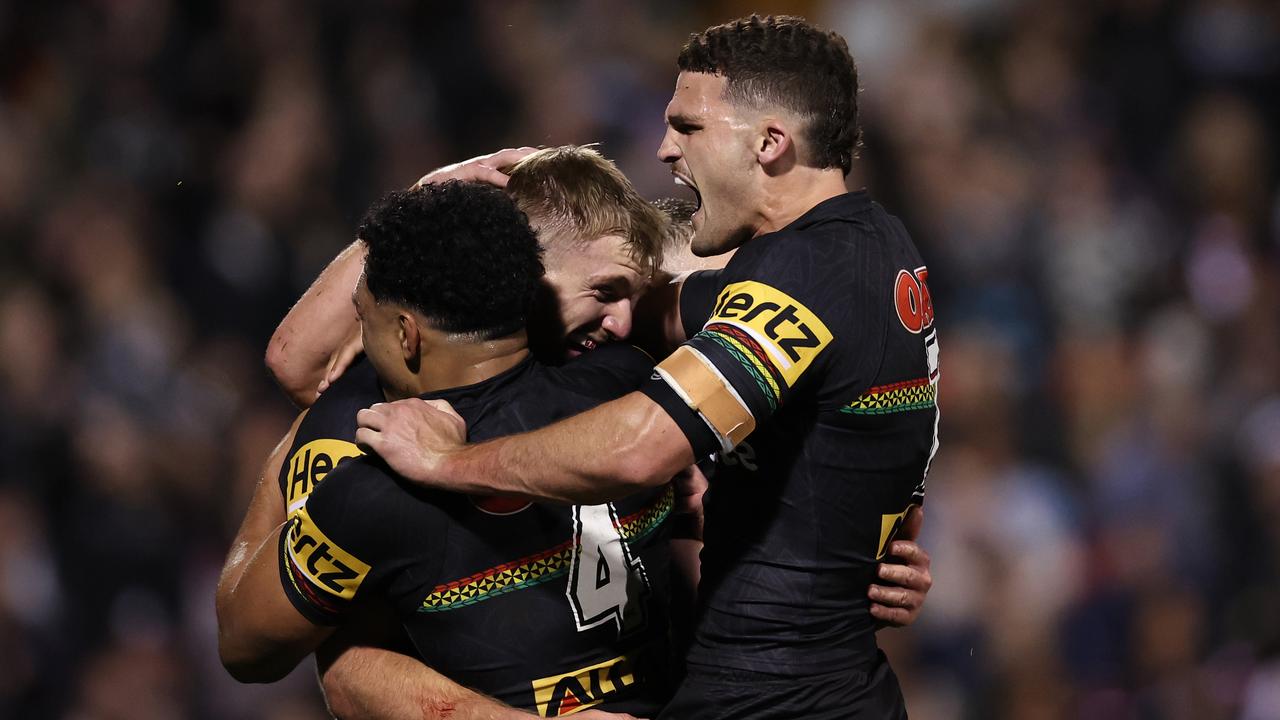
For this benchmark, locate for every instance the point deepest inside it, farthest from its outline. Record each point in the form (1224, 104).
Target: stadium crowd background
(1093, 184)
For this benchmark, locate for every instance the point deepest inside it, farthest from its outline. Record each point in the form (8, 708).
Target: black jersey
(824, 332)
(546, 607)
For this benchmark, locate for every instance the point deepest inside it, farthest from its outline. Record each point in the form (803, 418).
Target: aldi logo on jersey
(560, 695)
(320, 561)
(779, 334)
(310, 464)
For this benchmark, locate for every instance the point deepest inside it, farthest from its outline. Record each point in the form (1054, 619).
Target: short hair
(786, 61)
(679, 212)
(460, 253)
(576, 190)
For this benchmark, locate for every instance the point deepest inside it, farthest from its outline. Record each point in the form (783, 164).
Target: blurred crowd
(1092, 182)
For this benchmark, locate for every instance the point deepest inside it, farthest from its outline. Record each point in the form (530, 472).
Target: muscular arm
(368, 673)
(603, 454)
(261, 636)
(265, 514)
(322, 321)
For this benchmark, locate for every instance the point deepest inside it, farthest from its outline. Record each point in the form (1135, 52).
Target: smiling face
(592, 292)
(710, 145)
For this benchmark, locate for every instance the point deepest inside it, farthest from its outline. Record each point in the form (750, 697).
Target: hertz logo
(310, 464)
(321, 561)
(788, 332)
(560, 695)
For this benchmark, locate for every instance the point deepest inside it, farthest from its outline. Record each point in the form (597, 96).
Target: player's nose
(617, 321)
(668, 151)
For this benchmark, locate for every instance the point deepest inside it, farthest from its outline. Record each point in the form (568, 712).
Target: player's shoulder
(358, 384)
(358, 484)
(365, 490)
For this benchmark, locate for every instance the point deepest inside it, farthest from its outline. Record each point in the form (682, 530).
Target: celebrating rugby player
(810, 369)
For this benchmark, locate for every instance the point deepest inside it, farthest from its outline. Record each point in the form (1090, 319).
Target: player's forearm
(372, 683)
(316, 327)
(603, 454)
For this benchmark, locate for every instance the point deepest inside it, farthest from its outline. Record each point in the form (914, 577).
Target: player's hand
(486, 168)
(351, 348)
(898, 602)
(413, 436)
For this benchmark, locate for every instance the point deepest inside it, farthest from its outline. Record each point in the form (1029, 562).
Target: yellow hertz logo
(311, 463)
(889, 525)
(326, 565)
(566, 694)
(787, 331)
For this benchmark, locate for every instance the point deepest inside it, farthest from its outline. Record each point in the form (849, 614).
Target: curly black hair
(460, 253)
(786, 61)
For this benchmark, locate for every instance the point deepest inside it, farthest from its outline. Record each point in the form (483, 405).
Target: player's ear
(775, 149)
(410, 336)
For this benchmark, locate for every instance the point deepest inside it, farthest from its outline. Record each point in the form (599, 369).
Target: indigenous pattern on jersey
(811, 371)
(550, 608)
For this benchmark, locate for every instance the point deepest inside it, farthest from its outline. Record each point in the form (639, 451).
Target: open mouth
(686, 182)
(579, 344)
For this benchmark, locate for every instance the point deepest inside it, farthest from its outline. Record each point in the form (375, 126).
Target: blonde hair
(575, 192)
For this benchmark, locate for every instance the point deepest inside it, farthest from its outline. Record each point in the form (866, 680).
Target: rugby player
(810, 369)
(571, 610)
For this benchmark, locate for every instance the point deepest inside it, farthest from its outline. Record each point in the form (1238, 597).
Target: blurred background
(1093, 184)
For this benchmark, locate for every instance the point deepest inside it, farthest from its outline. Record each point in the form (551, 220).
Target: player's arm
(237, 587)
(261, 635)
(368, 672)
(603, 454)
(319, 337)
(318, 333)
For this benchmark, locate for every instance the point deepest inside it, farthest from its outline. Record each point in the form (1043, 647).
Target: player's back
(544, 607)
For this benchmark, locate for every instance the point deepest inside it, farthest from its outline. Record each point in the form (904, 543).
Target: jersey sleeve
(767, 336)
(697, 298)
(340, 546)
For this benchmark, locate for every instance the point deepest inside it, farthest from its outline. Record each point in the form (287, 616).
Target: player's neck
(788, 196)
(458, 363)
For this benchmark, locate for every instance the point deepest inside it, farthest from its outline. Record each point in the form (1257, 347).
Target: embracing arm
(317, 329)
(366, 677)
(261, 637)
(605, 453)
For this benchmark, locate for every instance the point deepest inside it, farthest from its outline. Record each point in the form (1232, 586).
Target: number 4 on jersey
(605, 581)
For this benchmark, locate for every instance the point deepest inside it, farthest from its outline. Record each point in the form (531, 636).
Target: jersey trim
(918, 394)
(531, 570)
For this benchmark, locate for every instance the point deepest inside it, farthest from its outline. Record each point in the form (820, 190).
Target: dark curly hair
(460, 253)
(785, 61)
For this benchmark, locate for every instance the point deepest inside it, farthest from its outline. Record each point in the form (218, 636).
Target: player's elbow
(298, 384)
(248, 666)
(335, 684)
(244, 655)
